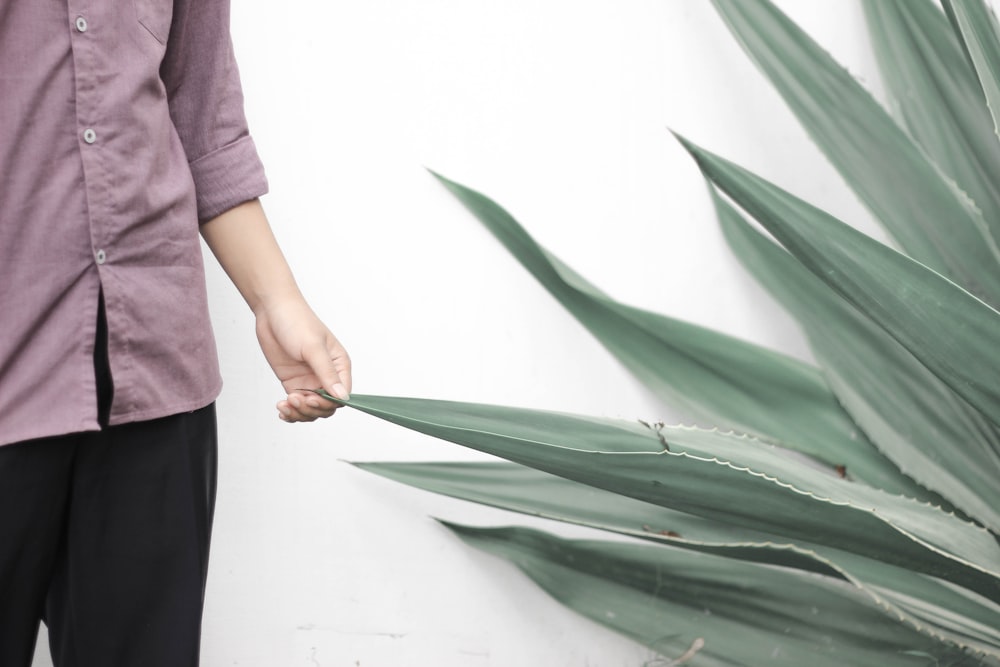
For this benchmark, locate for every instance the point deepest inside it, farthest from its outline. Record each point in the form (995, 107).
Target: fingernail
(294, 400)
(340, 391)
(312, 402)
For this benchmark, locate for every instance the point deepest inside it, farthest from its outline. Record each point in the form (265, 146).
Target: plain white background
(559, 110)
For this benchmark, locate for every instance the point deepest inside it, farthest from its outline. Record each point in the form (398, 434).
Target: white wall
(558, 109)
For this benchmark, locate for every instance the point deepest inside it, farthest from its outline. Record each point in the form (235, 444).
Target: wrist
(266, 299)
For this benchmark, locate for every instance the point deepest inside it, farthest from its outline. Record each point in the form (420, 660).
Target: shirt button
(81, 24)
(89, 135)
(101, 256)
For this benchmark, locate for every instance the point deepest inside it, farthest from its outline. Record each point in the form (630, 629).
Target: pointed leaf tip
(443, 179)
(693, 149)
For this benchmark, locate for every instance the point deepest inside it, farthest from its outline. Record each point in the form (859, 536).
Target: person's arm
(298, 346)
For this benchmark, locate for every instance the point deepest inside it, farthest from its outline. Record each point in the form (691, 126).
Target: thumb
(323, 367)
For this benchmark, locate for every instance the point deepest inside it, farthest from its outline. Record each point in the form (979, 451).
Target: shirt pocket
(155, 16)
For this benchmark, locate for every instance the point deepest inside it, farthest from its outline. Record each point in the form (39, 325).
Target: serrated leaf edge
(743, 469)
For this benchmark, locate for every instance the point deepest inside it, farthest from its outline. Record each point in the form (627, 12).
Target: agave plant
(846, 513)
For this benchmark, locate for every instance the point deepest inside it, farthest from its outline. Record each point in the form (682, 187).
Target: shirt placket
(91, 129)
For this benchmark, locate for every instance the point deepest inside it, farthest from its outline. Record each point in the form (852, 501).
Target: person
(122, 136)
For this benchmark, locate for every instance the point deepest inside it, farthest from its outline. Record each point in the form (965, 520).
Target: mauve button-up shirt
(121, 127)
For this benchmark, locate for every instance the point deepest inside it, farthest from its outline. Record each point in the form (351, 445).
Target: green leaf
(926, 603)
(719, 476)
(713, 610)
(520, 489)
(743, 386)
(976, 26)
(937, 98)
(914, 418)
(889, 173)
(954, 334)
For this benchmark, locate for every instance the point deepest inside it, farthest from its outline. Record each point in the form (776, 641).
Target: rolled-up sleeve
(205, 98)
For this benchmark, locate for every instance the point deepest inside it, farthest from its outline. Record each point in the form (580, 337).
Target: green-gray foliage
(876, 542)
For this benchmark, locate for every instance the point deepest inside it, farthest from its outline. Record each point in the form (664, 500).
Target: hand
(305, 355)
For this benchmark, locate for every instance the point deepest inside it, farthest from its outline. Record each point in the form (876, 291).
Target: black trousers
(105, 536)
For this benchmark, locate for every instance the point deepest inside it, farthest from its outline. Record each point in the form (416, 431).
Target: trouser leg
(129, 581)
(33, 491)
(35, 482)
(129, 585)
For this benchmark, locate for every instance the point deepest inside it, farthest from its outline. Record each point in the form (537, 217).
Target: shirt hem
(164, 411)
(91, 425)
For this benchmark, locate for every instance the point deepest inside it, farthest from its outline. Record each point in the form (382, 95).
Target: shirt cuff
(227, 177)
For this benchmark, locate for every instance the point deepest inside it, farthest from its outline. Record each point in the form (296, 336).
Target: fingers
(305, 408)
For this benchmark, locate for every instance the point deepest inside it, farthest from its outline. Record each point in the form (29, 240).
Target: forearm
(242, 241)
(303, 353)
